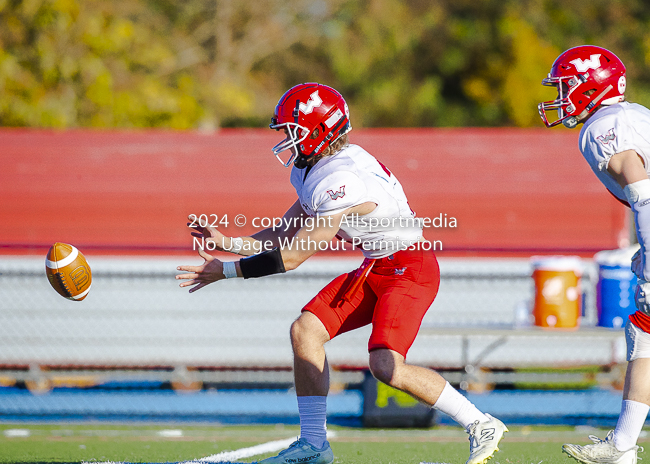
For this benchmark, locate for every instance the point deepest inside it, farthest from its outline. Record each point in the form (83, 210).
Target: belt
(358, 279)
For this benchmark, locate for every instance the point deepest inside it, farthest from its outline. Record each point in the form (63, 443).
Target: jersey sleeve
(337, 192)
(607, 137)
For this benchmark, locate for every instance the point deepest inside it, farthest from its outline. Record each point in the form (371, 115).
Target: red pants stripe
(641, 320)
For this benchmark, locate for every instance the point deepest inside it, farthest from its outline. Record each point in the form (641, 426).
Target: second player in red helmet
(585, 77)
(591, 84)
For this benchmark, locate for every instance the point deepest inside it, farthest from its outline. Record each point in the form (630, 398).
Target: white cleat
(300, 451)
(601, 452)
(484, 438)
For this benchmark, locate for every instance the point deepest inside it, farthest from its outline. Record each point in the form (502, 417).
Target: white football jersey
(613, 129)
(352, 177)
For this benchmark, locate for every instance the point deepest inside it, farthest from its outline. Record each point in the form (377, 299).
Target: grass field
(32, 443)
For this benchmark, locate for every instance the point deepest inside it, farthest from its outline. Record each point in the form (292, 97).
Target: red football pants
(394, 297)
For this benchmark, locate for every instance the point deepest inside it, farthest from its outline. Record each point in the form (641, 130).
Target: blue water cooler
(616, 286)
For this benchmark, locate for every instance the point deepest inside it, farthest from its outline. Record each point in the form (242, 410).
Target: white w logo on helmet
(313, 102)
(592, 63)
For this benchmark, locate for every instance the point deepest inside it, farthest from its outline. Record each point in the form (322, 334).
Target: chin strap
(301, 161)
(598, 98)
(571, 121)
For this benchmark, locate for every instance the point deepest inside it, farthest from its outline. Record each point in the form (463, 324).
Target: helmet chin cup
(301, 161)
(570, 122)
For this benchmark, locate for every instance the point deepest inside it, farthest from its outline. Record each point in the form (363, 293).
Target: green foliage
(211, 63)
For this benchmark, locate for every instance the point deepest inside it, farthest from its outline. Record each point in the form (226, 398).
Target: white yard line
(226, 456)
(271, 446)
(229, 456)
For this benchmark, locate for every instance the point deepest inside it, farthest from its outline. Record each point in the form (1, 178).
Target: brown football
(68, 271)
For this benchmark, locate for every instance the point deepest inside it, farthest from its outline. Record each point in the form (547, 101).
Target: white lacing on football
(59, 277)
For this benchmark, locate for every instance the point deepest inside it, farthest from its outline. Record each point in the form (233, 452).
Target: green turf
(136, 443)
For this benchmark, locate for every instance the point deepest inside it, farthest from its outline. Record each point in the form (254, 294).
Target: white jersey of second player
(614, 129)
(352, 177)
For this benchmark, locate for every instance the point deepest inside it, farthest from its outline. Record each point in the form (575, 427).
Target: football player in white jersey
(348, 194)
(615, 141)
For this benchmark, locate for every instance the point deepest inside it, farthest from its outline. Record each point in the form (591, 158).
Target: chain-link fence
(136, 315)
(138, 330)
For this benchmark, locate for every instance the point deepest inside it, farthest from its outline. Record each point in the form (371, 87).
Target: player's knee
(297, 332)
(638, 342)
(307, 330)
(383, 367)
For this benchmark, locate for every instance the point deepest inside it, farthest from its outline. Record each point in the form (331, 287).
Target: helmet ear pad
(304, 160)
(314, 135)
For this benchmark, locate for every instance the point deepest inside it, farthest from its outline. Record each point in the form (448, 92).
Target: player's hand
(642, 296)
(210, 271)
(638, 264)
(210, 234)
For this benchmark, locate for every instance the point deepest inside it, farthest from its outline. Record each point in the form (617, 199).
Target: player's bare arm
(627, 167)
(629, 171)
(324, 231)
(249, 245)
(291, 257)
(292, 220)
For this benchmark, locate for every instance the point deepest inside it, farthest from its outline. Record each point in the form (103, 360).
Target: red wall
(130, 192)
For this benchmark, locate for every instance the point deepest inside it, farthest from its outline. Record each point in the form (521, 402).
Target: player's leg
(322, 318)
(308, 338)
(636, 403)
(619, 447)
(404, 296)
(485, 432)
(311, 376)
(425, 385)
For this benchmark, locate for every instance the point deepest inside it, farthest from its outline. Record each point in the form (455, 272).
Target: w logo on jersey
(608, 137)
(340, 193)
(313, 102)
(592, 63)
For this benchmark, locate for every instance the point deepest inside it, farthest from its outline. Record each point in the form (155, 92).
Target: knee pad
(638, 342)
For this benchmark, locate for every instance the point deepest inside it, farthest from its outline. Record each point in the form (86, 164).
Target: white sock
(313, 419)
(629, 425)
(458, 407)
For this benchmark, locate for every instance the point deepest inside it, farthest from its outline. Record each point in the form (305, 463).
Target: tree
(205, 64)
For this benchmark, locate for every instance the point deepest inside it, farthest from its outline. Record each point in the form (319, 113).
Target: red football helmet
(313, 117)
(586, 77)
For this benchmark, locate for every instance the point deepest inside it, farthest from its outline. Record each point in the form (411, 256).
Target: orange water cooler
(558, 293)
